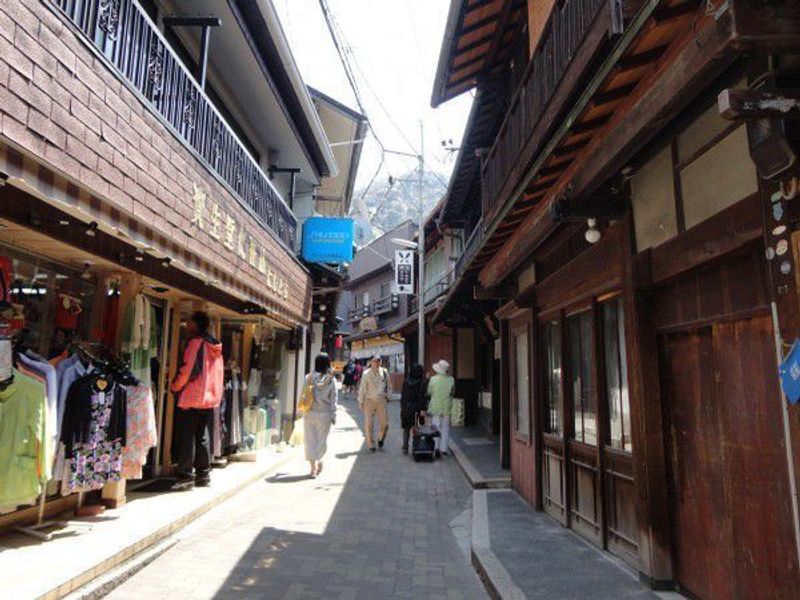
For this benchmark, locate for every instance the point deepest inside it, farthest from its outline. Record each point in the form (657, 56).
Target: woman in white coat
(318, 419)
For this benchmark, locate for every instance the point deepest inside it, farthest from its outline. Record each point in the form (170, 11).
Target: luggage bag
(423, 442)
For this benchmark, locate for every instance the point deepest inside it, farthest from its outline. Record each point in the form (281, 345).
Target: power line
(346, 54)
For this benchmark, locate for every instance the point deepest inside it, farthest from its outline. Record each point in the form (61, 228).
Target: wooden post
(113, 494)
(248, 334)
(647, 429)
(174, 360)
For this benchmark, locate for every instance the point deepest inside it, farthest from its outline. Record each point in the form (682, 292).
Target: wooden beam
(568, 149)
(647, 429)
(502, 23)
(702, 54)
(590, 125)
(643, 59)
(736, 104)
(724, 233)
(540, 126)
(610, 96)
(667, 14)
(767, 27)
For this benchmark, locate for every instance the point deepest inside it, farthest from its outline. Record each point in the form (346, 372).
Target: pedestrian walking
(199, 388)
(373, 394)
(440, 389)
(321, 415)
(349, 377)
(413, 401)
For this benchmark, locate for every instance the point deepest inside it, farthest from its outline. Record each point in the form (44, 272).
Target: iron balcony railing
(386, 304)
(131, 42)
(569, 24)
(357, 313)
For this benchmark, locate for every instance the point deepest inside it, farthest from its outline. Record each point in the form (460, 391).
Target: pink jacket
(200, 379)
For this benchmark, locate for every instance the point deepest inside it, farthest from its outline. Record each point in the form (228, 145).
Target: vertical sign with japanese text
(404, 271)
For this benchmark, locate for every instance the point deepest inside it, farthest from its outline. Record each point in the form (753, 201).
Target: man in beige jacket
(373, 394)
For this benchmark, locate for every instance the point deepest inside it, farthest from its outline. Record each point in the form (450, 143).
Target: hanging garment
(74, 372)
(254, 384)
(108, 335)
(140, 432)
(93, 433)
(233, 411)
(23, 440)
(139, 336)
(46, 371)
(217, 432)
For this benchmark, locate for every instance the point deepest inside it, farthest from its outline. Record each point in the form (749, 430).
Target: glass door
(582, 464)
(553, 482)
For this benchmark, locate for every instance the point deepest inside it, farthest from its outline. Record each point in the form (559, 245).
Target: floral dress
(94, 453)
(141, 432)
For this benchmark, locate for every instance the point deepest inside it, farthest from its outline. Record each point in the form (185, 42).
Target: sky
(394, 47)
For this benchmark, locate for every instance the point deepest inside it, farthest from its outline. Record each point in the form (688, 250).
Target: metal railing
(432, 292)
(357, 313)
(131, 42)
(568, 26)
(386, 304)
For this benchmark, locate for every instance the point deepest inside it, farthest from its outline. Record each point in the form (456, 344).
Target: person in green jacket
(440, 389)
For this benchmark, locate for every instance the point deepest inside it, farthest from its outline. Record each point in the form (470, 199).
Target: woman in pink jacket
(199, 388)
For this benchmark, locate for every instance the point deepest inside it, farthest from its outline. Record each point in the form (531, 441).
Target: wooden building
(638, 228)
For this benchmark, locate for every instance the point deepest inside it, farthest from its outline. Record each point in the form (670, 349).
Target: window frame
(520, 328)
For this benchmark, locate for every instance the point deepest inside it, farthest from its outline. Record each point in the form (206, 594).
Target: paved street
(372, 526)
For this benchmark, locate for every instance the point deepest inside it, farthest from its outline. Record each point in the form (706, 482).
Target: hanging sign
(328, 240)
(404, 271)
(790, 373)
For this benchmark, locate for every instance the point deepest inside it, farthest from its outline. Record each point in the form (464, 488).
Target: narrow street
(371, 526)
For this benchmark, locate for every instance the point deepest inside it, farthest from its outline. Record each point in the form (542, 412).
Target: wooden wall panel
(523, 469)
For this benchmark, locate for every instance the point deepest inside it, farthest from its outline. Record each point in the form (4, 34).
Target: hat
(441, 367)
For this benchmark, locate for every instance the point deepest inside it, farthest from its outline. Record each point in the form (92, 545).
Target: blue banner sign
(790, 373)
(328, 240)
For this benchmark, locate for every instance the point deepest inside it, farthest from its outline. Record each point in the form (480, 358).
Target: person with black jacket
(413, 400)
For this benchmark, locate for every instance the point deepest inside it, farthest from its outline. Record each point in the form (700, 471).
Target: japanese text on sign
(208, 216)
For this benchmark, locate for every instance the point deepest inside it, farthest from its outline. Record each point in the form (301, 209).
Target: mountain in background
(385, 206)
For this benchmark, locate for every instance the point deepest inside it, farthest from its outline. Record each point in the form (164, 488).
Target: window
(554, 404)
(616, 366)
(386, 289)
(457, 247)
(365, 299)
(579, 332)
(522, 383)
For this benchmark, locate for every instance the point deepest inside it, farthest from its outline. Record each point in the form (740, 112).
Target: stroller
(423, 440)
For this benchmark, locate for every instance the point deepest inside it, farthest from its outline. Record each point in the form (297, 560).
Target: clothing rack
(37, 530)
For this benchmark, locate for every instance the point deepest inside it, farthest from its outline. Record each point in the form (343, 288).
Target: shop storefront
(86, 290)
(390, 349)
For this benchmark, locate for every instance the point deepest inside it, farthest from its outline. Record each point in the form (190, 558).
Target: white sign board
(404, 271)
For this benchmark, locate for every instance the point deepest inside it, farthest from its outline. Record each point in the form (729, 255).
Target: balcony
(386, 305)
(432, 292)
(357, 313)
(130, 41)
(569, 25)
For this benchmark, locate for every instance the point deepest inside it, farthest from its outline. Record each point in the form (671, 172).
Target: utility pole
(421, 252)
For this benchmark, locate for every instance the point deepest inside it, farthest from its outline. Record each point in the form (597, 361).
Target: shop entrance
(728, 478)
(587, 451)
